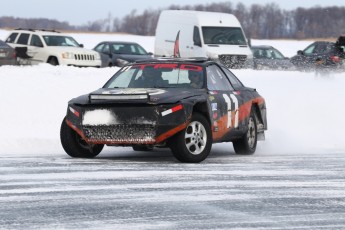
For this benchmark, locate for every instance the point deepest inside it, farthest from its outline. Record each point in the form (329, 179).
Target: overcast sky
(80, 12)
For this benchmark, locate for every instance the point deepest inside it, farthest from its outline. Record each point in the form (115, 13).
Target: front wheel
(247, 144)
(53, 61)
(193, 144)
(75, 146)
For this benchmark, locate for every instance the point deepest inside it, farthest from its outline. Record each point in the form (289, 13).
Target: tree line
(259, 21)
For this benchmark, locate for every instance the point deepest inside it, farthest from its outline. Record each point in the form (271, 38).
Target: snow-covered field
(305, 111)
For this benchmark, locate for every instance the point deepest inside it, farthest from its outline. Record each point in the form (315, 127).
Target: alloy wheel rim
(195, 138)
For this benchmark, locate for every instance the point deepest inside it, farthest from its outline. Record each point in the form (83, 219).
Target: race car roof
(199, 60)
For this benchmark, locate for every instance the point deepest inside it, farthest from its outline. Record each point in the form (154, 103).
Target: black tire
(142, 147)
(75, 146)
(247, 144)
(193, 144)
(53, 61)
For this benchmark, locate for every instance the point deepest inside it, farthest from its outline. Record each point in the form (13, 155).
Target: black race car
(184, 104)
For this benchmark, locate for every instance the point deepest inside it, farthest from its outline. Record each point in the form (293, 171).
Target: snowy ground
(304, 110)
(295, 179)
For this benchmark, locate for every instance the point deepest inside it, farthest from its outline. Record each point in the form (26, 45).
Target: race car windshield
(162, 75)
(51, 40)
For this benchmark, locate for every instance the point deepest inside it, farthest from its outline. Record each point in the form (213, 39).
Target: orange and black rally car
(183, 104)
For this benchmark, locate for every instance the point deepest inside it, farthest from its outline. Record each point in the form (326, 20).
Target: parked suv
(50, 46)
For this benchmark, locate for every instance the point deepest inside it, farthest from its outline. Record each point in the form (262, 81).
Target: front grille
(121, 134)
(233, 61)
(84, 57)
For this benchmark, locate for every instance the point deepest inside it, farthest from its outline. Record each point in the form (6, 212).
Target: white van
(218, 36)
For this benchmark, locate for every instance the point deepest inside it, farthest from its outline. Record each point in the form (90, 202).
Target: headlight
(121, 62)
(68, 55)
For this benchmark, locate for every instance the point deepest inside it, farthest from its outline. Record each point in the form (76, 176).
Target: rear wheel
(247, 144)
(75, 146)
(193, 144)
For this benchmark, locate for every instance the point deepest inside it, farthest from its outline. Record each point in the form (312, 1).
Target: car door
(309, 55)
(197, 49)
(225, 104)
(35, 50)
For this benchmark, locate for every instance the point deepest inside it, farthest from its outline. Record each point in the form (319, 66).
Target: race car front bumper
(127, 125)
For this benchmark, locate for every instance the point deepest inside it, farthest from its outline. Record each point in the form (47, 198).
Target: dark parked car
(321, 55)
(7, 54)
(268, 57)
(183, 104)
(105, 60)
(121, 53)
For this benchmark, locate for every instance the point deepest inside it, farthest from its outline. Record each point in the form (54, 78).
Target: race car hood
(137, 95)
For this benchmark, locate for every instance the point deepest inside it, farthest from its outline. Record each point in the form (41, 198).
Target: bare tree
(258, 21)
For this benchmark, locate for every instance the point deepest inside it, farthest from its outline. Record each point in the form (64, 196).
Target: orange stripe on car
(171, 132)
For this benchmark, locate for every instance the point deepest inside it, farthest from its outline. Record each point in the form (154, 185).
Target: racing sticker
(214, 106)
(134, 91)
(172, 110)
(229, 101)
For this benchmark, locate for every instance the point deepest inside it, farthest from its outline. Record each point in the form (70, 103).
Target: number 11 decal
(229, 109)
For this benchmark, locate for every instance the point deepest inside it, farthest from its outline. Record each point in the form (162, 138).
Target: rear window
(12, 38)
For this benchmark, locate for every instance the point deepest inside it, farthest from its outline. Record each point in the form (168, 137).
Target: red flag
(177, 46)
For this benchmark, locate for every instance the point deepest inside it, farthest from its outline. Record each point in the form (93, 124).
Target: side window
(309, 49)
(196, 36)
(23, 39)
(323, 48)
(233, 79)
(36, 41)
(106, 49)
(269, 54)
(12, 38)
(216, 80)
(277, 54)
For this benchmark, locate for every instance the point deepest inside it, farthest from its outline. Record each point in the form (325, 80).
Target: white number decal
(229, 104)
(234, 99)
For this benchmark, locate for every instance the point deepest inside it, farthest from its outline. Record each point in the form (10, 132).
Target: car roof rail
(48, 30)
(33, 30)
(25, 29)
